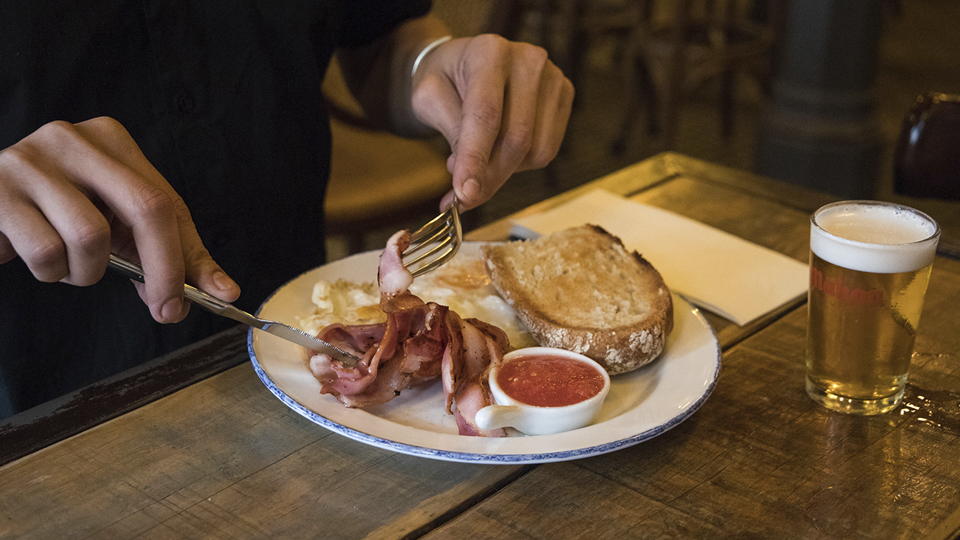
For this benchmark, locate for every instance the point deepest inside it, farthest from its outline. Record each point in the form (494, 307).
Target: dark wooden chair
(668, 49)
(377, 179)
(927, 156)
(669, 58)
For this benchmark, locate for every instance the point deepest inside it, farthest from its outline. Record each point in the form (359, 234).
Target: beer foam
(876, 237)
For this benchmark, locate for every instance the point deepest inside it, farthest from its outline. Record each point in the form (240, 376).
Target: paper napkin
(720, 272)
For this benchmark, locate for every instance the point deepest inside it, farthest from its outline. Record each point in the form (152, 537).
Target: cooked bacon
(356, 339)
(393, 278)
(362, 384)
(423, 348)
(471, 390)
(418, 341)
(493, 332)
(451, 364)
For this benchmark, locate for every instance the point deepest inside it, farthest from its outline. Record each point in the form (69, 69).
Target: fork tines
(435, 243)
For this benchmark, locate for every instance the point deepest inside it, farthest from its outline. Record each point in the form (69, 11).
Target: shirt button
(185, 103)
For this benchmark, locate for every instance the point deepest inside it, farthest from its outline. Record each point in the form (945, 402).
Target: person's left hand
(502, 106)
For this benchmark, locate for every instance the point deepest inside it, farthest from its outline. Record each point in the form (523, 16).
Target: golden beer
(869, 267)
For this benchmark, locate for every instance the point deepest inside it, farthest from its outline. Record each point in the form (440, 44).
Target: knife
(134, 271)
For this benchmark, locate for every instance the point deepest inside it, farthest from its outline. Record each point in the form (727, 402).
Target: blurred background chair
(667, 49)
(377, 180)
(927, 155)
(678, 46)
(565, 28)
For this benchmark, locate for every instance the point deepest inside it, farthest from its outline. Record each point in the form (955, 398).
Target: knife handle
(205, 300)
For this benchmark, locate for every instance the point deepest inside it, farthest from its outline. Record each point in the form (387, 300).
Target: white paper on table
(720, 272)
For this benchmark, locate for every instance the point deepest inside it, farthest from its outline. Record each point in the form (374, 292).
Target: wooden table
(194, 446)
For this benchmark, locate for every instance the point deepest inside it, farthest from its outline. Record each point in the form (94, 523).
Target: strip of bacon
(393, 278)
(471, 390)
(418, 341)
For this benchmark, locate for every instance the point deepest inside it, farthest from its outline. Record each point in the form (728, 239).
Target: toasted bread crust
(581, 290)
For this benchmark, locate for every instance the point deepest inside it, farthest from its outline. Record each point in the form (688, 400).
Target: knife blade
(307, 341)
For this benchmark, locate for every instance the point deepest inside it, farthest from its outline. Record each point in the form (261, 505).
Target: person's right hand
(72, 193)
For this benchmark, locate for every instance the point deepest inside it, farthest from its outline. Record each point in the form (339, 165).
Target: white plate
(641, 405)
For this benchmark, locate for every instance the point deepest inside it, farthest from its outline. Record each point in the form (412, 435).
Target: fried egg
(462, 284)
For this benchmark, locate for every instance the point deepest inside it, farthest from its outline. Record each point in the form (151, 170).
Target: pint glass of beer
(869, 267)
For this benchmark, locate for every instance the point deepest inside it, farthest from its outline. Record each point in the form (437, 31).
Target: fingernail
(171, 310)
(223, 281)
(471, 190)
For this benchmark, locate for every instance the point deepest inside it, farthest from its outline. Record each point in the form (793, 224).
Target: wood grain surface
(761, 460)
(223, 458)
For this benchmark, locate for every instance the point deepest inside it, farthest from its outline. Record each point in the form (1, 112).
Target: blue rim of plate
(475, 457)
(472, 457)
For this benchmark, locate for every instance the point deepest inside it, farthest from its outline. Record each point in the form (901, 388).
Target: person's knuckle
(153, 203)
(493, 42)
(15, 159)
(21, 171)
(55, 132)
(104, 126)
(541, 156)
(107, 122)
(196, 252)
(518, 140)
(473, 157)
(534, 56)
(91, 236)
(45, 259)
(182, 211)
(487, 115)
(7, 253)
(568, 92)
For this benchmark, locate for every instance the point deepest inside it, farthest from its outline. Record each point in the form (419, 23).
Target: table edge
(68, 415)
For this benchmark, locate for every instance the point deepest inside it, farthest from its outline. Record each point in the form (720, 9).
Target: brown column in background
(820, 128)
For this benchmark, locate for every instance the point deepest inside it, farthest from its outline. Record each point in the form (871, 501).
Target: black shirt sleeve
(365, 20)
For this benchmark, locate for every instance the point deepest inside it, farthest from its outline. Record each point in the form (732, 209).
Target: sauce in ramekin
(549, 381)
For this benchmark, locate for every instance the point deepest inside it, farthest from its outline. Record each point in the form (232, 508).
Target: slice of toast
(580, 289)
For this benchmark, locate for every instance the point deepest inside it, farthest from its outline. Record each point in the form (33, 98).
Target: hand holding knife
(225, 309)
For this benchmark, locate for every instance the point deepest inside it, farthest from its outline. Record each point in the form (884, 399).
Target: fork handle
(205, 300)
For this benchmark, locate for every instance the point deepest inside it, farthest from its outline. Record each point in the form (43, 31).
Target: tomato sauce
(549, 381)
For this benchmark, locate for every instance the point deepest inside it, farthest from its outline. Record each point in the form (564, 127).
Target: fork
(134, 271)
(434, 244)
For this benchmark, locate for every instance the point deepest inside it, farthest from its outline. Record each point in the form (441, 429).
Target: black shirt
(223, 97)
